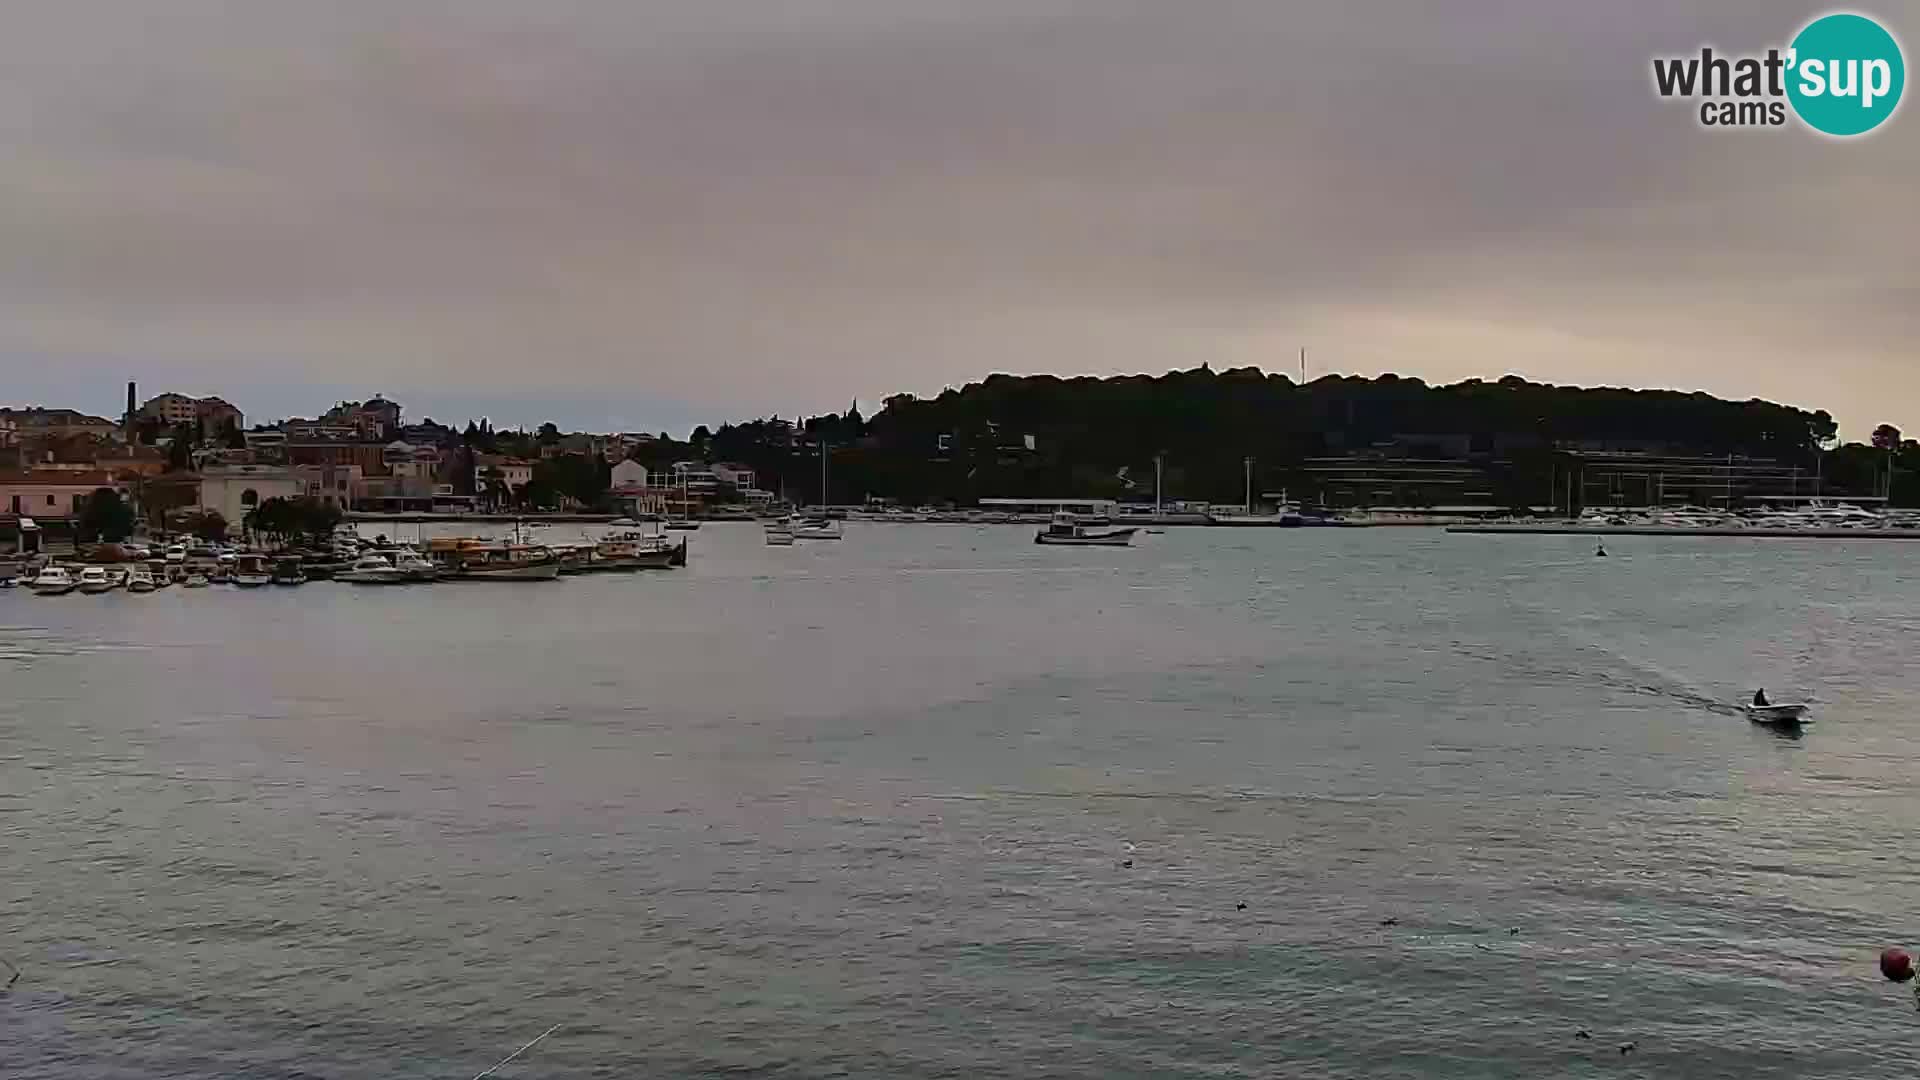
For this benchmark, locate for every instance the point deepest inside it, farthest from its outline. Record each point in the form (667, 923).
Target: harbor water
(934, 801)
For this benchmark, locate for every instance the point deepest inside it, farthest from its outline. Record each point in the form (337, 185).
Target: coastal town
(1242, 448)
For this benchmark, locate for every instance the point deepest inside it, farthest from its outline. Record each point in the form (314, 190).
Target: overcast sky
(651, 213)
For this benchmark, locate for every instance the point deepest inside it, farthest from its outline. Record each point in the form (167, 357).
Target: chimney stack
(128, 421)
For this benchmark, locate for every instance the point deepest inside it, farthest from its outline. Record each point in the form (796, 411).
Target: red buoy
(1896, 964)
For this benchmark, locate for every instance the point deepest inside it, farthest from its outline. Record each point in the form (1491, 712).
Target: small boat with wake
(1776, 714)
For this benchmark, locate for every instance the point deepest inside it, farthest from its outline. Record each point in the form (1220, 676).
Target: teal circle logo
(1847, 74)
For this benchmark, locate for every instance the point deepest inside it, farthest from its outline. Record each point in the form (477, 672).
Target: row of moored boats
(357, 562)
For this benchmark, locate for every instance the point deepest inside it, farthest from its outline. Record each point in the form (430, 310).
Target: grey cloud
(748, 207)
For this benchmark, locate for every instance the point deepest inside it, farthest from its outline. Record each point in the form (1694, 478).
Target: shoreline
(1574, 529)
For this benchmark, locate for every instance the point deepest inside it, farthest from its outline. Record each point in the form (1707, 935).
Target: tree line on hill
(1045, 436)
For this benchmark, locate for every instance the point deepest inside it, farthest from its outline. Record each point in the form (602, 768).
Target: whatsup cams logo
(1841, 75)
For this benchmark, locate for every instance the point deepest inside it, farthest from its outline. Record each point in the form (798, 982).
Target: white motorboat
(779, 534)
(196, 581)
(252, 571)
(140, 580)
(53, 581)
(415, 566)
(373, 570)
(94, 580)
(176, 553)
(1067, 530)
(1784, 714)
(818, 529)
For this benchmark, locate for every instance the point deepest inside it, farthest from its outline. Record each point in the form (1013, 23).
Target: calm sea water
(933, 801)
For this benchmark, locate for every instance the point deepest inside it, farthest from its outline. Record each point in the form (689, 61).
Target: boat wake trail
(1574, 659)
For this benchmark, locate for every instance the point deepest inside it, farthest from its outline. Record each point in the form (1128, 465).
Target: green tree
(210, 525)
(290, 518)
(317, 518)
(106, 516)
(549, 434)
(180, 449)
(1886, 437)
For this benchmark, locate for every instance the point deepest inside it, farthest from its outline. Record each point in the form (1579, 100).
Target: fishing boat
(95, 580)
(632, 550)
(1785, 714)
(289, 571)
(251, 571)
(616, 554)
(53, 581)
(573, 558)
(372, 570)
(510, 562)
(467, 559)
(140, 580)
(1068, 531)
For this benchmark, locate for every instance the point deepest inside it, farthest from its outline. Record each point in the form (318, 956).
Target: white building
(629, 475)
(739, 476)
(233, 491)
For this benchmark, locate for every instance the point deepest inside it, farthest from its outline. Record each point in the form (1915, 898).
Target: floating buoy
(1896, 964)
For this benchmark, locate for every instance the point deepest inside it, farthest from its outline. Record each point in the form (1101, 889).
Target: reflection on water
(935, 800)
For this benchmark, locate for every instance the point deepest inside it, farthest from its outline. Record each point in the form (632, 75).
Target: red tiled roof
(93, 478)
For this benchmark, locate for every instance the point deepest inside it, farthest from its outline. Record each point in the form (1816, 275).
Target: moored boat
(372, 570)
(251, 571)
(416, 566)
(818, 528)
(94, 580)
(289, 571)
(53, 580)
(140, 580)
(484, 560)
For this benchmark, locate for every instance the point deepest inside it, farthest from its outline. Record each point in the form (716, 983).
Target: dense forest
(1047, 436)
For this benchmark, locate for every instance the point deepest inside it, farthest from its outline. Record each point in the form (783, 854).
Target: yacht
(372, 570)
(140, 580)
(53, 581)
(176, 553)
(415, 566)
(94, 580)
